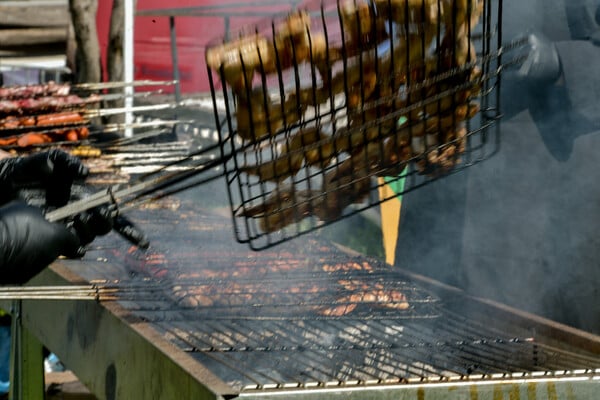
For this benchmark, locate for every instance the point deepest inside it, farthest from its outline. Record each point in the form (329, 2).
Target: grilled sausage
(59, 119)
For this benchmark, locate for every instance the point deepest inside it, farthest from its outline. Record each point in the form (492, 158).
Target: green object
(396, 183)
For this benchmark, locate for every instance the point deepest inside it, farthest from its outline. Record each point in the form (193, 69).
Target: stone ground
(66, 386)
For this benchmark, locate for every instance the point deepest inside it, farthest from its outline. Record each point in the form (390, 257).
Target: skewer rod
(120, 110)
(116, 85)
(128, 61)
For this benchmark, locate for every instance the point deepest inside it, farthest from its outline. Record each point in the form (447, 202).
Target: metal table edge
(62, 325)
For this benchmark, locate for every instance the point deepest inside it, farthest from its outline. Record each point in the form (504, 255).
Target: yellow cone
(390, 216)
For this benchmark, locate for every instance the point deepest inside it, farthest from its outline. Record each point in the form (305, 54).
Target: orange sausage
(32, 139)
(83, 132)
(28, 121)
(72, 136)
(10, 123)
(59, 119)
(8, 141)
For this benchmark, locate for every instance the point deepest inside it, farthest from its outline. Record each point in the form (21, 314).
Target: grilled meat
(63, 118)
(34, 138)
(370, 112)
(45, 104)
(292, 45)
(38, 90)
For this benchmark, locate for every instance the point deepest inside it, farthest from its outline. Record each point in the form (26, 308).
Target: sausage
(83, 132)
(8, 141)
(59, 119)
(32, 139)
(65, 118)
(72, 136)
(36, 138)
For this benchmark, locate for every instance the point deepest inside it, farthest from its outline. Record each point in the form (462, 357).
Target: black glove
(541, 66)
(55, 170)
(29, 243)
(90, 224)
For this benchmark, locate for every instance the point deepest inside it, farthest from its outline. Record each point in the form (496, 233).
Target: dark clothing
(523, 227)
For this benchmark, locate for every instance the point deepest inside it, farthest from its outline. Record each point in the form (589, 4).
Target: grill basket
(318, 108)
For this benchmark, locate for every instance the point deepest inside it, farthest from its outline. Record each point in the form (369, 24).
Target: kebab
(52, 88)
(36, 138)
(46, 104)
(69, 126)
(39, 90)
(42, 120)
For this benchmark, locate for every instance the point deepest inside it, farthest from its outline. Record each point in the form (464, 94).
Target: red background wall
(152, 51)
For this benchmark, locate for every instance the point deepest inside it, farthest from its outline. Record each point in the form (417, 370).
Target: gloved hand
(542, 64)
(29, 243)
(54, 169)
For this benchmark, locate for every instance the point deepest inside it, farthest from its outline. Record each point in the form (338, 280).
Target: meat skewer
(64, 89)
(42, 120)
(45, 104)
(66, 134)
(34, 138)
(39, 90)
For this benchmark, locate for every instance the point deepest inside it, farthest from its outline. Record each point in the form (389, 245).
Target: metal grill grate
(263, 330)
(251, 354)
(276, 339)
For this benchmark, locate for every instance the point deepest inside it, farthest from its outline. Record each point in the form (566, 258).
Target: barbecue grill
(295, 320)
(200, 316)
(264, 332)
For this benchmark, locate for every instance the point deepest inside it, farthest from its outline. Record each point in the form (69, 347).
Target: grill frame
(127, 338)
(306, 190)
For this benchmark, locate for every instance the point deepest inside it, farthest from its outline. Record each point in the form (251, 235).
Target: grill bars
(258, 346)
(305, 353)
(281, 341)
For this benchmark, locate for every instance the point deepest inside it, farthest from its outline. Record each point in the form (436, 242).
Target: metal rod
(116, 196)
(122, 110)
(146, 124)
(119, 96)
(128, 65)
(174, 57)
(116, 85)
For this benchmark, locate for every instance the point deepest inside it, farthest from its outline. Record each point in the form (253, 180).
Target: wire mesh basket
(318, 108)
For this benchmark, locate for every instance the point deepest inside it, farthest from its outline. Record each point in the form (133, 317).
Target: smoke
(521, 227)
(518, 228)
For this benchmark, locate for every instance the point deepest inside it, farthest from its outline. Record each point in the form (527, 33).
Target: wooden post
(83, 16)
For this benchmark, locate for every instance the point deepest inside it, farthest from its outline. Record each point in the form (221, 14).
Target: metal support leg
(26, 361)
(175, 59)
